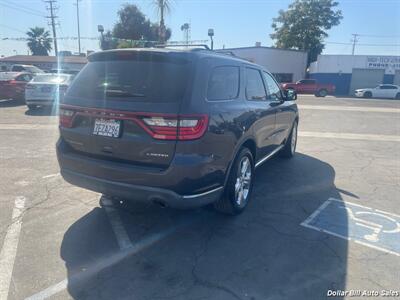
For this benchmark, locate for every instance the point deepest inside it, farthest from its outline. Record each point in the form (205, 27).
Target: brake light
(66, 117)
(158, 126)
(178, 128)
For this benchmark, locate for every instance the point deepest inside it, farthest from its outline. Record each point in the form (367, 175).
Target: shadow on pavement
(262, 254)
(41, 111)
(11, 103)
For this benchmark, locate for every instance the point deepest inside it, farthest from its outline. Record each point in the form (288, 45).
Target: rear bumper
(141, 193)
(189, 181)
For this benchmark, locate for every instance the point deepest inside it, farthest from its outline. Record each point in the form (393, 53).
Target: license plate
(107, 127)
(45, 89)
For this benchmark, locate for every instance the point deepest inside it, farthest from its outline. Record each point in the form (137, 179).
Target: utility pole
(354, 40)
(79, 32)
(52, 18)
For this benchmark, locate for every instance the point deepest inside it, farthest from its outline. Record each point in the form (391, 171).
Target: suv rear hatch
(124, 106)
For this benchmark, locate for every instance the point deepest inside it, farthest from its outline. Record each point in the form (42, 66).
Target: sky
(236, 23)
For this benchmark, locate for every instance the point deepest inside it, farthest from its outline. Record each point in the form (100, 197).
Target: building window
(283, 77)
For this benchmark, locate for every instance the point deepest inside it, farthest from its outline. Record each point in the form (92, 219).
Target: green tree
(39, 41)
(163, 7)
(304, 24)
(133, 25)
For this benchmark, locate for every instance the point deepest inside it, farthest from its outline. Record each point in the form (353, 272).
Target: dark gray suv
(181, 128)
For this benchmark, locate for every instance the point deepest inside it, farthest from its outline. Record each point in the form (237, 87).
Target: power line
(30, 9)
(52, 8)
(358, 44)
(12, 28)
(23, 10)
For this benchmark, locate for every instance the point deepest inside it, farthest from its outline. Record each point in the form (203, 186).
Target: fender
(235, 153)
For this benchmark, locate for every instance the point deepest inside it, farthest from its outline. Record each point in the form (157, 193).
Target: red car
(12, 85)
(310, 86)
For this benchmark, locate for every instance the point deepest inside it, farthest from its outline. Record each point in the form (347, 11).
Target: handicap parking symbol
(364, 225)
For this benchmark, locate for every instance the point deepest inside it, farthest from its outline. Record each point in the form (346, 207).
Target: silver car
(46, 89)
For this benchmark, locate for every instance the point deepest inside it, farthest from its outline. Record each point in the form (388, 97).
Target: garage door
(396, 80)
(365, 78)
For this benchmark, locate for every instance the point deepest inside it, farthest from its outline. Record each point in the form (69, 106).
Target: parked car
(12, 85)
(310, 86)
(26, 68)
(46, 89)
(181, 128)
(381, 91)
(64, 71)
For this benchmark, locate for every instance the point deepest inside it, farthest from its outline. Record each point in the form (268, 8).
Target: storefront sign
(389, 63)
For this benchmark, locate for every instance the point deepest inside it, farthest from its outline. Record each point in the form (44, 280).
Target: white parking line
(28, 126)
(10, 245)
(350, 108)
(51, 175)
(351, 136)
(119, 230)
(109, 261)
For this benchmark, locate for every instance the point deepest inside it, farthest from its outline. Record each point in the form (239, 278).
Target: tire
(322, 93)
(367, 95)
(31, 106)
(397, 96)
(289, 149)
(239, 186)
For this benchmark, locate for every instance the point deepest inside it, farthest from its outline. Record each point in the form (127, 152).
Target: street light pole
(79, 32)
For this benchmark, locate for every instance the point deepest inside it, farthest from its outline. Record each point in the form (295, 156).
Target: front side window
(255, 89)
(24, 77)
(274, 92)
(223, 83)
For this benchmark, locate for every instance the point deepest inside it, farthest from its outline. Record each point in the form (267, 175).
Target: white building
(350, 72)
(44, 62)
(286, 65)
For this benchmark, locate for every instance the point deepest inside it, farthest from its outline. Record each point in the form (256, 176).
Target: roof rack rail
(182, 45)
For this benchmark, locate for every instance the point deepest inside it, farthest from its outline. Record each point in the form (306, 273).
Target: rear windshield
(132, 80)
(51, 78)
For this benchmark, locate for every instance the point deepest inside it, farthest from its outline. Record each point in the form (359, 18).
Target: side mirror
(290, 95)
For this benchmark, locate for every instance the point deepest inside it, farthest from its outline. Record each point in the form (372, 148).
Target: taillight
(176, 128)
(66, 117)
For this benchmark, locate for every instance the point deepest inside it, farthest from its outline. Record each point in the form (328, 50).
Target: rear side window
(132, 80)
(223, 83)
(255, 89)
(17, 68)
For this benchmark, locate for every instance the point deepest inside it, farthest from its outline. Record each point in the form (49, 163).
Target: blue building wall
(340, 80)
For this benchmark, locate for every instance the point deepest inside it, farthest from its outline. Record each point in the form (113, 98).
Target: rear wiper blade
(121, 93)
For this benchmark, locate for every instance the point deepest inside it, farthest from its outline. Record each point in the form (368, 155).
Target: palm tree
(163, 7)
(39, 41)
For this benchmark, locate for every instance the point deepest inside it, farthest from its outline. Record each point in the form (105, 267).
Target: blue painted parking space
(364, 225)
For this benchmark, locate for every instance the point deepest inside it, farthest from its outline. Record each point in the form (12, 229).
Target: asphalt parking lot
(294, 241)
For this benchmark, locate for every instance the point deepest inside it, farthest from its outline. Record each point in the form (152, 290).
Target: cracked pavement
(262, 254)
